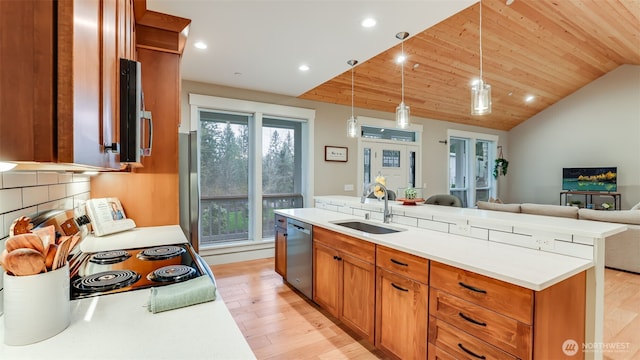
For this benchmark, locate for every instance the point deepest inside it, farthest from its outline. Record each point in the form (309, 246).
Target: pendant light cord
(402, 70)
(352, 94)
(480, 40)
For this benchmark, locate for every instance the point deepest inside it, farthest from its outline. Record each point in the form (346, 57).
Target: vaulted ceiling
(544, 48)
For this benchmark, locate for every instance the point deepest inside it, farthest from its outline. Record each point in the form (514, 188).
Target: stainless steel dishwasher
(300, 256)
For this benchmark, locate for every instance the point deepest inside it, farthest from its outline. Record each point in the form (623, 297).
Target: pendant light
(480, 91)
(402, 111)
(352, 123)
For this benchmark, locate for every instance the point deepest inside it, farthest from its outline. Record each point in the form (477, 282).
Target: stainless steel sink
(367, 227)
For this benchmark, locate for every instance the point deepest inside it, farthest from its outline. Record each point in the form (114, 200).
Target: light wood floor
(279, 324)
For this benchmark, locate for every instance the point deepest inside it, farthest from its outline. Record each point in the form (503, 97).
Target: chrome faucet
(387, 214)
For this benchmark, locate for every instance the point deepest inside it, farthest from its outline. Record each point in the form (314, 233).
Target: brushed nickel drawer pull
(399, 288)
(471, 320)
(398, 262)
(471, 352)
(474, 289)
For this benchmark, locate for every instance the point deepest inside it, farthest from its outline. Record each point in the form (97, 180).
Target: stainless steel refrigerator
(189, 186)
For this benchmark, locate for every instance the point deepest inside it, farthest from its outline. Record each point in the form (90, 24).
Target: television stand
(588, 197)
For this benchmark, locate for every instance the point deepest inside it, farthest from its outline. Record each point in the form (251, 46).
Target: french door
(396, 162)
(471, 156)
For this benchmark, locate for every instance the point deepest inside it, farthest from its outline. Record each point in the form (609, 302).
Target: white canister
(36, 307)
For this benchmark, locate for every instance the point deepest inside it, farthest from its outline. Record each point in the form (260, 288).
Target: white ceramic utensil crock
(36, 307)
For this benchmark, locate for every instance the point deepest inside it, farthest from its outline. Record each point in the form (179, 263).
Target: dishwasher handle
(301, 229)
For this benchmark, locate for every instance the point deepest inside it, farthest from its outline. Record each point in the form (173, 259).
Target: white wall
(598, 125)
(330, 129)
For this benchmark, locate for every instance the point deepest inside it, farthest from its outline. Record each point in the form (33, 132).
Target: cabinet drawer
(460, 344)
(435, 353)
(281, 222)
(507, 299)
(504, 332)
(411, 266)
(361, 249)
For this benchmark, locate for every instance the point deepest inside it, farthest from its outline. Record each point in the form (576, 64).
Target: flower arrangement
(377, 191)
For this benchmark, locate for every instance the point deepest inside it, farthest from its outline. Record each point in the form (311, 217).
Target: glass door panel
(458, 169)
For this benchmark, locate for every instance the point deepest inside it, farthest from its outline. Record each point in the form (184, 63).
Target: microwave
(136, 124)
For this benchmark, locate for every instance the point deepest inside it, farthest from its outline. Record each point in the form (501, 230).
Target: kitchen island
(534, 252)
(119, 326)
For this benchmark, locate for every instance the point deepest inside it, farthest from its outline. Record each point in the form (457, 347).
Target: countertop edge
(568, 266)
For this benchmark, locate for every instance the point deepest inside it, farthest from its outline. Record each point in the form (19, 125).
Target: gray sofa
(622, 251)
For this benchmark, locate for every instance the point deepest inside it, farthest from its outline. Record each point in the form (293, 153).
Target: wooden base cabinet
(281, 246)
(472, 316)
(344, 279)
(402, 295)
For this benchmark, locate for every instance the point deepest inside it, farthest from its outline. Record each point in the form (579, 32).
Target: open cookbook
(107, 216)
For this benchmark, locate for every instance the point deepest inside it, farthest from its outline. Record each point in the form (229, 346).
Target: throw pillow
(485, 205)
(636, 206)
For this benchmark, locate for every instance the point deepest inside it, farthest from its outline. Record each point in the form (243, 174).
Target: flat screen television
(590, 179)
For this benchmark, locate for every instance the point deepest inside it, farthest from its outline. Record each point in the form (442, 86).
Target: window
(281, 176)
(224, 177)
(470, 172)
(253, 159)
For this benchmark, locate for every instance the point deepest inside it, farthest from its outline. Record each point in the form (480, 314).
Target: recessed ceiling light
(368, 22)
(529, 98)
(400, 59)
(200, 45)
(303, 67)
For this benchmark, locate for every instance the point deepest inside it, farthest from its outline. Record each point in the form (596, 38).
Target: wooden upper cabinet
(27, 86)
(90, 44)
(117, 36)
(59, 79)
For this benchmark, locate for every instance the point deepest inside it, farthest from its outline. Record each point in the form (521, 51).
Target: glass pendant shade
(480, 98)
(352, 127)
(403, 116)
(480, 91)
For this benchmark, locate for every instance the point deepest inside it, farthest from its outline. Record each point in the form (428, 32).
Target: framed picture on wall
(336, 153)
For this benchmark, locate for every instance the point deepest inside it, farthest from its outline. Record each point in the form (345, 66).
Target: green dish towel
(195, 291)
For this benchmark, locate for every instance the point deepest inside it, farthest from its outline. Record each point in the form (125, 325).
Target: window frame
(260, 110)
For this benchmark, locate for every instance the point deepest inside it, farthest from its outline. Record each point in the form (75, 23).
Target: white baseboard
(237, 256)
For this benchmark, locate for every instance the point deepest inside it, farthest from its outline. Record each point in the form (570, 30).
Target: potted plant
(410, 193)
(500, 167)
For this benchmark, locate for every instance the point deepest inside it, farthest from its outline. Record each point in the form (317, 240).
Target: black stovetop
(116, 271)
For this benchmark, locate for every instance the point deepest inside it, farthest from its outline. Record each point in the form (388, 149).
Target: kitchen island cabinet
(344, 279)
(281, 246)
(543, 296)
(402, 294)
(470, 313)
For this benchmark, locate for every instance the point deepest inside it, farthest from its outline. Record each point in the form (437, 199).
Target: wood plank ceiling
(545, 48)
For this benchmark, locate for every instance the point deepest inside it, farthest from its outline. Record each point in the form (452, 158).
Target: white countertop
(532, 269)
(598, 229)
(119, 326)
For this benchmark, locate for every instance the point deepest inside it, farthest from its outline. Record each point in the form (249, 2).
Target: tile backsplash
(32, 192)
